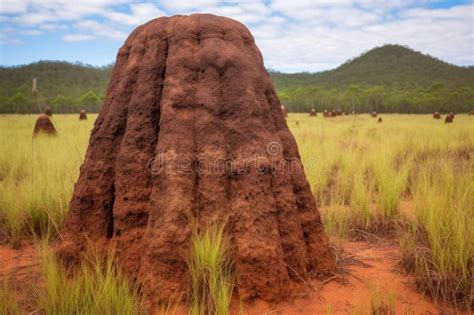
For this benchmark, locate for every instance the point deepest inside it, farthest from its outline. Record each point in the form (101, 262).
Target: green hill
(390, 78)
(389, 65)
(60, 85)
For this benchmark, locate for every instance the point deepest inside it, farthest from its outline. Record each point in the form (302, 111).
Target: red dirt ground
(368, 265)
(17, 262)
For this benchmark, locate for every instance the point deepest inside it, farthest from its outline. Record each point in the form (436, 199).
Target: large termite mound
(44, 125)
(191, 130)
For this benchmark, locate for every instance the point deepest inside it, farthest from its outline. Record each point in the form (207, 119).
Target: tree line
(367, 98)
(361, 98)
(391, 78)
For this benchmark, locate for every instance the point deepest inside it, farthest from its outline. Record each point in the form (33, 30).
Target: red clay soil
(14, 262)
(371, 271)
(370, 267)
(191, 130)
(44, 125)
(20, 270)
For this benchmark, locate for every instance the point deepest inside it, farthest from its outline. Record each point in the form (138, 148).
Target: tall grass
(8, 304)
(366, 174)
(210, 268)
(97, 287)
(37, 176)
(363, 175)
(439, 243)
(381, 303)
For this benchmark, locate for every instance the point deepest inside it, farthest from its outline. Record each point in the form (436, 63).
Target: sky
(293, 35)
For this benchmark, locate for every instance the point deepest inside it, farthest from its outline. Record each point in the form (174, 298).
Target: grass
(438, 244)
(363, 173)
(37, 176)
(410, 177)
(96, 287)
(8, 304)
(210, 268)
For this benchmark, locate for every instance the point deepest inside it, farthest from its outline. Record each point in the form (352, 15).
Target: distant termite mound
(191, 130)
(83, 114)
(44, 125)
(448, 119)
(48, 111)
(436, 115)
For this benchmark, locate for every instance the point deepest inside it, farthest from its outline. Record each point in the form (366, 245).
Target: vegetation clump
(95, 287)
(211, 270)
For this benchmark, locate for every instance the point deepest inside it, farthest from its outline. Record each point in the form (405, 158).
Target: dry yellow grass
(360, 171)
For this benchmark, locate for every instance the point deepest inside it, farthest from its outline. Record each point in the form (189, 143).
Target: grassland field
(410, 178)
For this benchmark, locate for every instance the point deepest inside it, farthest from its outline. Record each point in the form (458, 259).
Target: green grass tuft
(210, 268)
(96, 287)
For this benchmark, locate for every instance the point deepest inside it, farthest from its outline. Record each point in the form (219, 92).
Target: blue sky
(293, 35)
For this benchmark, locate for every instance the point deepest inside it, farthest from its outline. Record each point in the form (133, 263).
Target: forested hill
(391, 78)
(62, 85)
(389, 65)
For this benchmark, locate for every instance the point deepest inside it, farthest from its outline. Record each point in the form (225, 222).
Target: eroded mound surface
(191, 130)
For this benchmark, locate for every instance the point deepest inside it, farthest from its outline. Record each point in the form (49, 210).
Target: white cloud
(52, 26)
(100, 29)
(6, 39)
(460, 11)
(34, 18)
(140, 13)
(187, 5)
(13, 6)
(31, 32)
(293, 35)
(78, 37)
(7, 30)
(41, 11)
